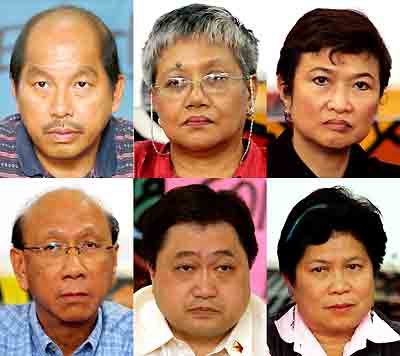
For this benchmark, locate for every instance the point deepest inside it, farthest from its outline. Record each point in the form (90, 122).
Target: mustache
(62, 124)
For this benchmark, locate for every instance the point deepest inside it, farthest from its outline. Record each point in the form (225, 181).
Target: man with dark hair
(67, 82)
(65, 255)
(200, 246)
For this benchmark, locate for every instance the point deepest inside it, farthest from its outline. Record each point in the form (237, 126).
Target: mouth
(63, 135)
(338, 125)
(197, 121)
(341, 307)
(74, 296)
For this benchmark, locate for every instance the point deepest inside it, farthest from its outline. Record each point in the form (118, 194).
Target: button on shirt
(153, 336)
(305, 343)
(21, 333)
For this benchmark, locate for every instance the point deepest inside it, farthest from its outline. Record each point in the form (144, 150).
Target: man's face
(64, 95)
(201, 280)
(68, 288)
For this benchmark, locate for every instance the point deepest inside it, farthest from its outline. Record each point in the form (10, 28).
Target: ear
(19, 266)
(151, 272)
(118, 93)
(289, 285)
(155, 98)
(14, 93)
(115, 258)
(286, 99)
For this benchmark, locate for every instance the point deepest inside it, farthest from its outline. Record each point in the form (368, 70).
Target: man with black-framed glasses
(65, 255)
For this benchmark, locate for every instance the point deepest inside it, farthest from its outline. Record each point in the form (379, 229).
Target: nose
(61, 103)
(73, 266)
(340, 100)
(197, 96)
(205, 285)
(339, 283)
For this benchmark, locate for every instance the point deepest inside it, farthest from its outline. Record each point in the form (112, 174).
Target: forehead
(67, 213)
(57, 39)
(339, 62)
(340, 246)
(196, 53)
(202, 240)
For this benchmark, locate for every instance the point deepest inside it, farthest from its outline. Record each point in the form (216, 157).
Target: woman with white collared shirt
(330, 250)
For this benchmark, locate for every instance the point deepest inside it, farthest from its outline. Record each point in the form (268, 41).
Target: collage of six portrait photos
(257, 157)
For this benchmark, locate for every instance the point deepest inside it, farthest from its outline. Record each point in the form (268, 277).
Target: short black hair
(315, 218)
(108, 47)
(198, 204)
(341, 30)
(18, 240)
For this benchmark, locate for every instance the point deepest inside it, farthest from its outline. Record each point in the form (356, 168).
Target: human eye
(354, 266)
(224, 268)
(184, 268)
(216, 77)
(319, 269)
(362, 85)
(321, 80)
(52, 247)
(90, 245)
(81, 84)
(41, 84)
(175, 83)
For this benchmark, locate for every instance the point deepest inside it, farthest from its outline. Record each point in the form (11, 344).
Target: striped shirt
(18, 158)
(21, 333)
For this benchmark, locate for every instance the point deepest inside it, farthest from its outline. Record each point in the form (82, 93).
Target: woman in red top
(200, 64)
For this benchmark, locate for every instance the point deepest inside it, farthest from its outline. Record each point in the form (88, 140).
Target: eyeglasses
(212, 84)
(56, 250)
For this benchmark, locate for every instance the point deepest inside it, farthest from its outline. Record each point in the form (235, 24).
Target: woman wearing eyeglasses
(330, 250)
(200, 64)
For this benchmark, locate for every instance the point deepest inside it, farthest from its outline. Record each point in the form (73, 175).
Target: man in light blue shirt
(65, 254)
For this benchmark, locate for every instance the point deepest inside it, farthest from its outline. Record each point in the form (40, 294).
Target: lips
(74, 296)
(341, 307)
(63, 135)
(197, 121)
(338, 125)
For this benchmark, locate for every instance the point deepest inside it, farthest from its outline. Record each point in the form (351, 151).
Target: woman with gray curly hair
(200, 65)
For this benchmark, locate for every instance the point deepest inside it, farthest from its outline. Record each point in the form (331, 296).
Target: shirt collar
(150, 321)
(106, 158)
(305, 343)
(44, 343)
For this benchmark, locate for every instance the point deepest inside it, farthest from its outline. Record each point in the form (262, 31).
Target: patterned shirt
(153, 336)
(21, 333)
(18, 158)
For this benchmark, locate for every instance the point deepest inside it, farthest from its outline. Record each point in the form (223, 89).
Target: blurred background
(16, 194)
(284, 194)
(383, 140)
(253, 191)
(116, 14)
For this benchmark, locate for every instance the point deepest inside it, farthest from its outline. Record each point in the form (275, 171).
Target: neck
(68, 336)
(323, 162)
(201, 346)
(221, 161)
(333, 345)
(70, 168)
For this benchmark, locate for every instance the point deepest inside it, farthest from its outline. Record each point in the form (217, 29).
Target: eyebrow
(188, 253)
(330, 71)
(209, 63)
(83, 70)
(347, 260)
(87, 230)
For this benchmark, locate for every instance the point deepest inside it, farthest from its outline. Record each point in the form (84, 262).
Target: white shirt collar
(305, 343)
(152, 330)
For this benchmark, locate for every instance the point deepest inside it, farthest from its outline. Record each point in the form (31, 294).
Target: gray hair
(217, 23)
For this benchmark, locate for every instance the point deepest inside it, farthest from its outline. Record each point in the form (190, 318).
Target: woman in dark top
(332, 72)
(330, 250)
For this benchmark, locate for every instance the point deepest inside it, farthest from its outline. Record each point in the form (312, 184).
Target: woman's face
(333, 104)
(198, 119)
(334, 287)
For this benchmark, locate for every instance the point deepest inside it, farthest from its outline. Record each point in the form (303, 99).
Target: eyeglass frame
(63, 246)
(192, 82)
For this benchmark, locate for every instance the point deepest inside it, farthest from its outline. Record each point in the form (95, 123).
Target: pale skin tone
(64, 95)
(208, 270)
(69, 290)
(334, 290)
(213, 149)
(332, 106)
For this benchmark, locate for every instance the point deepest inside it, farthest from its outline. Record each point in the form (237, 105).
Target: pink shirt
(150, 164)
(305, 343)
